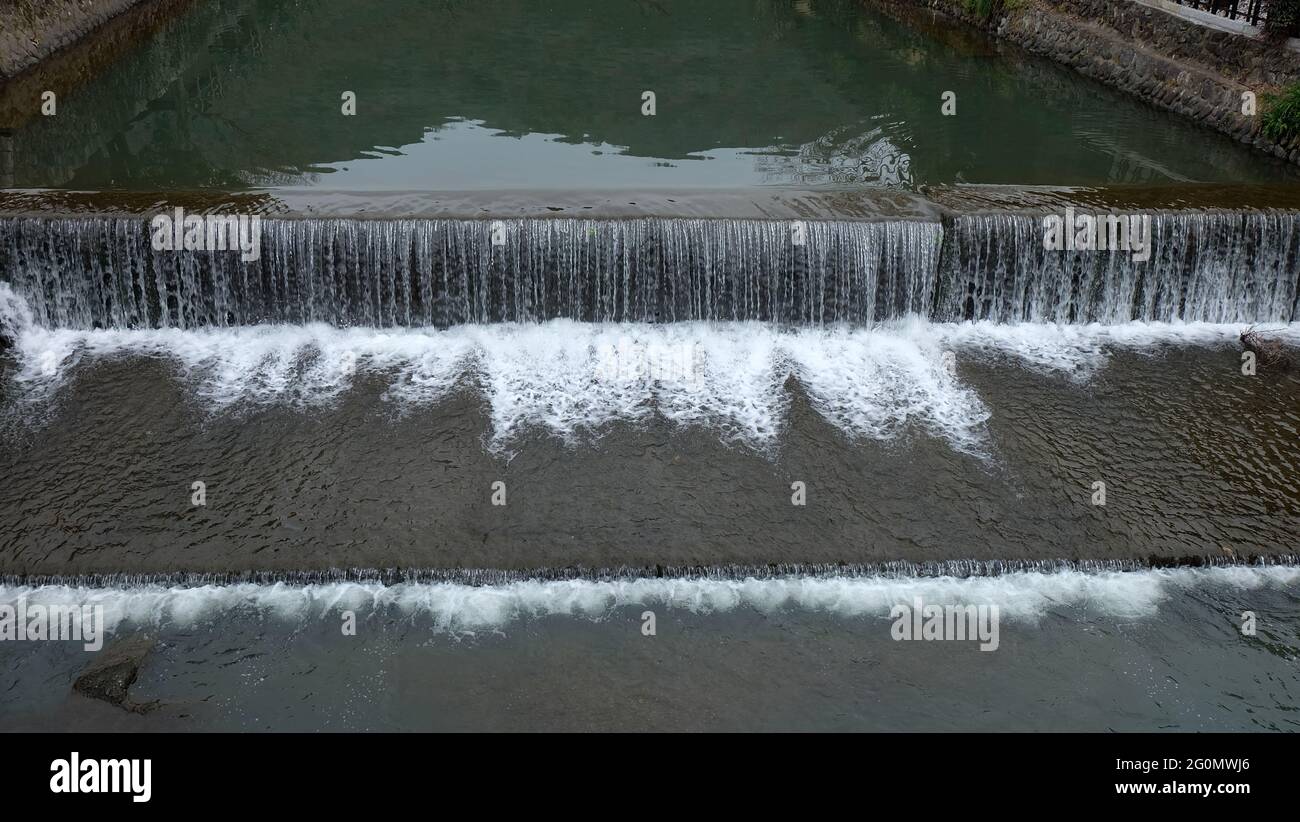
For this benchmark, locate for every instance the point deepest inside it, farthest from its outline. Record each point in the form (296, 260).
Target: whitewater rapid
(571, 378)
(1024, 597)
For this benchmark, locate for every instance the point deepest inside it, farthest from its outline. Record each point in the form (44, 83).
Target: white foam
(1080, 350)
(571, 378)
(453, 608)
(872, 382)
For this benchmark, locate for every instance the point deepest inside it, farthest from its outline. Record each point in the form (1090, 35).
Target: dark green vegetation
(1283, 19)
(1282, 114)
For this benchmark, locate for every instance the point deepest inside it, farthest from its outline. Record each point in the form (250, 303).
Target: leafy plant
(1281, 118)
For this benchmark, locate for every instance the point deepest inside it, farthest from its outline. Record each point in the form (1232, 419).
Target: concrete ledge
(1211, 20)
(766, 202)
(930, 204)
(1202, 18)
(1208, 42)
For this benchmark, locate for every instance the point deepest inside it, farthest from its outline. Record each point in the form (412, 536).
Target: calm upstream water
(495, 94)
(640, 472)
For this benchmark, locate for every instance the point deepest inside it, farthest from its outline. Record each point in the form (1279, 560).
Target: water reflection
(238, 94)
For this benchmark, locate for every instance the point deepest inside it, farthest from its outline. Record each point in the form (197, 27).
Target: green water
(497, 94)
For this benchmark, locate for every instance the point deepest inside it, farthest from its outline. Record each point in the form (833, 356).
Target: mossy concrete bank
(31, 30)
(1195, 71)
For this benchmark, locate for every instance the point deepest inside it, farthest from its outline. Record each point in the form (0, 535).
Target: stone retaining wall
(31, 30)
(1169, 62)
(1247, 60)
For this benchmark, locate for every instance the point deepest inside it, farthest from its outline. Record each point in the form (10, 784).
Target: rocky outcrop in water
(112, 672)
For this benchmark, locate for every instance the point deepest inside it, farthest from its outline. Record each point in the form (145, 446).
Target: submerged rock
(110, 675)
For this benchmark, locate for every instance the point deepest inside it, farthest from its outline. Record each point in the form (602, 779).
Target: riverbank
(1198, 72)
(32, 30)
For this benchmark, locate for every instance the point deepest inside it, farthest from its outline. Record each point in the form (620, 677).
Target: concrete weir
(802, 257)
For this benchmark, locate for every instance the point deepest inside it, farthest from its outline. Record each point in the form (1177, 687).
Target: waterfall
(89, 272)
(1223, 267)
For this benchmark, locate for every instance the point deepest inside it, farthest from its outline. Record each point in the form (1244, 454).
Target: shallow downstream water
(596, 460)
(648, 471)
(323, 448)
(1147, 650)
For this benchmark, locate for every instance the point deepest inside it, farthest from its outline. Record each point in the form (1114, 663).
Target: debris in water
(1268, 352)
